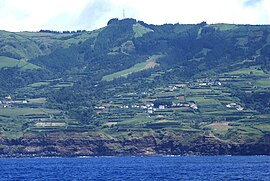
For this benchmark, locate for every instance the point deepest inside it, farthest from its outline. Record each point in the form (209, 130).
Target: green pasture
(39, 84)
(41, 100)
(124, 73)
(11, 62)
(224, 27)
(263, 83)
(15, 112)
(254, 71)
(140, 30)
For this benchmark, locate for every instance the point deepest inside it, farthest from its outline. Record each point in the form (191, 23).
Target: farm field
(204, 105)
(132, 88)
(21, 64)
(148, 64)
(216, 110)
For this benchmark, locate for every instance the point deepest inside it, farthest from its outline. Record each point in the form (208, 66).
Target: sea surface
(137, 168)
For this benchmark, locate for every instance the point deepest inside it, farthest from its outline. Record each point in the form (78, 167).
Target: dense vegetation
(130, 78)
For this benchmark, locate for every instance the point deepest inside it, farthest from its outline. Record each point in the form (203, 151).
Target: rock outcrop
(85, 144)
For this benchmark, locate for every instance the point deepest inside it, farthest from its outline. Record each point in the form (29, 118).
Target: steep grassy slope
(27, 45)
(205, 90)
(21, 64)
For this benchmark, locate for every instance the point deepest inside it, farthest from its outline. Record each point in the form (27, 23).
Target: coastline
(79, 145)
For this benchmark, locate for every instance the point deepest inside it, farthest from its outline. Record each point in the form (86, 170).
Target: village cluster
(152, 107)
(9, 102)
(233, 105)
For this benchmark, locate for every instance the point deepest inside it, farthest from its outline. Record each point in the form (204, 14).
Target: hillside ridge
(133, 88)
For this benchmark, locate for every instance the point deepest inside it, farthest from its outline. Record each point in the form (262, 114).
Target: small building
(161, 107)
(143, 107)
(180, 85)
(235, 106)
(231, 105)
(185, 104)
(99, 107)
(8, 97)
(174, 104)
(239, 108)
(203, 84)
(193, 106)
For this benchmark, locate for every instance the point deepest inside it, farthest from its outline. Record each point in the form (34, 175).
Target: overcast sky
(33, 15)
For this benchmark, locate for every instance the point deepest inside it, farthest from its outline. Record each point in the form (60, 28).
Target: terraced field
(148, 64)
(217, 110)
(11, 62)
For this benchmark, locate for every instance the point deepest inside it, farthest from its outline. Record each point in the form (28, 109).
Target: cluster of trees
(264, 58)
(13, 78)
(184, 46)
(259, 101)
(61, 32)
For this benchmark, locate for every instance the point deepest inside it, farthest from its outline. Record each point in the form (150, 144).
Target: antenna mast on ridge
(124, 14)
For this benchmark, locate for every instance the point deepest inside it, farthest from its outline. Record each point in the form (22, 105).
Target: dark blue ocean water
(137, 168)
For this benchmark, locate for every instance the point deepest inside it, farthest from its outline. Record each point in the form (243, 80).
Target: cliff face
(133, 88)
(100, 145)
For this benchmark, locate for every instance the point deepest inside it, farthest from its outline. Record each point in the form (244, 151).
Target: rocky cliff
(86, 144)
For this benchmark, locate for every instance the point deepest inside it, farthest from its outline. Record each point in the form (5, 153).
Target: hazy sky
(33, 15)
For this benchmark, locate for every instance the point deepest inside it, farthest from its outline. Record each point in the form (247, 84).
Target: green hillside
(148, 64)
(11, 62)
(132, 88)
(28, 45)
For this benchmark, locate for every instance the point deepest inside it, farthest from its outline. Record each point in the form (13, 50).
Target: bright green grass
(182, 27)
(38, 84)
(38, 100)
(138, 121)
(202, 90)
(63, 84)
(202, 100)
(243, 62)
(264, 83)
(248, 71)
(124, 73)
(36, 34)
(136, 68)
(140, 30)
(263, 127)
(65, 39)
(11, 62)
(219, 127)
(26, 111)
(264, 116)
(224, 27)
(166, 94)
(224, 112)
(83, 36)
(248, 129)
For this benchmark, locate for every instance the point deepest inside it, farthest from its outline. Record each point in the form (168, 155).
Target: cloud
(33, 15)
(2, 3)
(259, 9)
(97, 13)
(252, 3)
(60, 22)
(93, 13)
(195, 11)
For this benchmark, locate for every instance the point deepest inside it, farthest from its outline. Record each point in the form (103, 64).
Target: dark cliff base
(73, 145)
